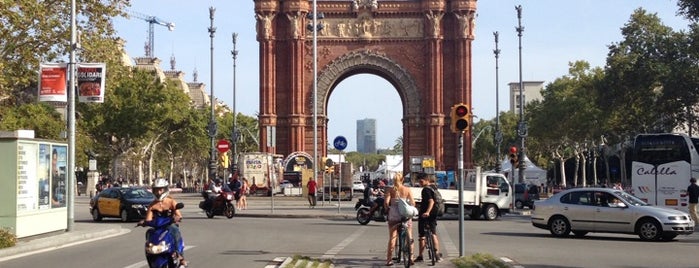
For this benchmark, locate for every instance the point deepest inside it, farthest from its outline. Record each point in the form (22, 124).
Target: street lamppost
(212, 122)
(522, 126)
(234, 133)
(498, 134)
(315, 27)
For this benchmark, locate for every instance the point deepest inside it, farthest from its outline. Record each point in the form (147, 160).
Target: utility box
(32, 184)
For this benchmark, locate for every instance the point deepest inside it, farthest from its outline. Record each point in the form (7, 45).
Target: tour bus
(661, 167)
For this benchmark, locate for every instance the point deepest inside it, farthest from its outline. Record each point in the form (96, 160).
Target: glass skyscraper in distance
(366, 136)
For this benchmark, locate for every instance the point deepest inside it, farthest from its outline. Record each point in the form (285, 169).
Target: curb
(57, 241)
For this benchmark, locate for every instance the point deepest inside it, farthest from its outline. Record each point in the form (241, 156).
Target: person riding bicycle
(428, 215)
(394, 219)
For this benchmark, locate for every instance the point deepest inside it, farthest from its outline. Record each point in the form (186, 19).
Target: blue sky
(555, 32)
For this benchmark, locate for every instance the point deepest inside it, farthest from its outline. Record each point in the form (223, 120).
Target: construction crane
(152, 20)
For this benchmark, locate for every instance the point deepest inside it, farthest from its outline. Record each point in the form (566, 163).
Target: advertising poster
(58, 176)
(43, 172)
(26, 176)
(91, 78)
(52, 82)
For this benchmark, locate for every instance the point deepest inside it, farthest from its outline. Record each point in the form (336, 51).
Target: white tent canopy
(532, 173)
(392, 165)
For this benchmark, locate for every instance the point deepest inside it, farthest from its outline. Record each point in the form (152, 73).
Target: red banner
(52, 82)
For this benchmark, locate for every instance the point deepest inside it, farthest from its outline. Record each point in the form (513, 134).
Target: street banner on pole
(52, 82)
(91, 78)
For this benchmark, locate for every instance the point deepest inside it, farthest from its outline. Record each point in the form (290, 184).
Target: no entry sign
(223, 146)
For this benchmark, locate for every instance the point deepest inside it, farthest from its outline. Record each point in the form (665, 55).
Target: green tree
(40, 117)
(640, 92)
(689, 9)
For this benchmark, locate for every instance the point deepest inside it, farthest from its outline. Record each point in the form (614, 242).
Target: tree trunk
(583, 164)
(563, 173)
(577, 169)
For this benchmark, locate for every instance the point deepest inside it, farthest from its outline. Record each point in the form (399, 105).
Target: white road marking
(330, 254)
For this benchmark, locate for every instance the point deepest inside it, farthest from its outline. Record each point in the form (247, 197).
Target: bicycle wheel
(430, 247)
(405, 248)
(399, 246)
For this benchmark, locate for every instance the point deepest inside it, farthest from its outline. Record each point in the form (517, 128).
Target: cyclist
(394, 218)
(428, 215)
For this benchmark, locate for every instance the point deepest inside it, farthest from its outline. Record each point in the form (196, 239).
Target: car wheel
(559, 226)
(579, 233)
(491, 212)
(519, 204)
(96, 215)
(124, 215)
(649, 230)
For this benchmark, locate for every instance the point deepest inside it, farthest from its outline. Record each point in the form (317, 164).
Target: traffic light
(321, 165)
(223, 160)
(513, 156)
(460, 118)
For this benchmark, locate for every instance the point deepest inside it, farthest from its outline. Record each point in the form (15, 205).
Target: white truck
(490, 195)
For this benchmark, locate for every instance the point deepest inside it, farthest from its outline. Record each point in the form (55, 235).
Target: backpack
(438, 201)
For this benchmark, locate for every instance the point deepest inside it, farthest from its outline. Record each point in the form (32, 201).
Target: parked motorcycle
(222, 205)
(161, 250)
(363, 216)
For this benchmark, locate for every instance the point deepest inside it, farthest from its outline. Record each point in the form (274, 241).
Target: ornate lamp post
(315, 27)
(212, 122)
(234, 133)
(522, 126)
(498, 134)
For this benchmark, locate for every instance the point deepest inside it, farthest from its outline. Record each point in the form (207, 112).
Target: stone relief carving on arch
(406, 86)
(434, 18)
(264, 25)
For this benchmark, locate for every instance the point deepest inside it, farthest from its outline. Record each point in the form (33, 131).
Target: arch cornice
(361, 61)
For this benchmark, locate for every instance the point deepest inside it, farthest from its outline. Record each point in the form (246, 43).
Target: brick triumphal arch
(422, 47)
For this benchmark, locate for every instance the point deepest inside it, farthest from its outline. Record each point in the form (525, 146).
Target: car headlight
(676, 218)
(136, 206)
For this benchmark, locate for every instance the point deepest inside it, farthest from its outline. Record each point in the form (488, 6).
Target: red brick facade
(422, 47)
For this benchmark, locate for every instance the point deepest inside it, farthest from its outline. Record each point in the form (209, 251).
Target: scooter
(222, 205)
(363, 216)
(160, 247)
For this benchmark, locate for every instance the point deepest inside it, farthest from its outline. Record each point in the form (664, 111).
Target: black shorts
(424, 223)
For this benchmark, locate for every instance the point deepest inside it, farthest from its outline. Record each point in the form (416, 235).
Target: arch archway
(422, 47)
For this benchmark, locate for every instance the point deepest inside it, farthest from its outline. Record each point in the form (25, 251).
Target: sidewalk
(84, 230)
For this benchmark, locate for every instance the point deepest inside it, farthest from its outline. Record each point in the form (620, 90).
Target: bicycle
(429, 245)
(403, 253)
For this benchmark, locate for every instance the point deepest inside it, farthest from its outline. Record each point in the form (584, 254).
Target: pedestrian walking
(693, 192)
(311, 185)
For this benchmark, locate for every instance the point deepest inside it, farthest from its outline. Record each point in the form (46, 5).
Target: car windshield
(141, 193)
(634, 201)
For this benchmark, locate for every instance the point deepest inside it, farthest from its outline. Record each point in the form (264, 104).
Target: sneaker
(439, 257)
(418, 259)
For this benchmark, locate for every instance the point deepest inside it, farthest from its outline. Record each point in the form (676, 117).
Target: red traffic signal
(460, 118)
(513, 150)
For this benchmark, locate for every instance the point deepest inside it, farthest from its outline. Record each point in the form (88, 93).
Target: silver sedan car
(583, 210)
